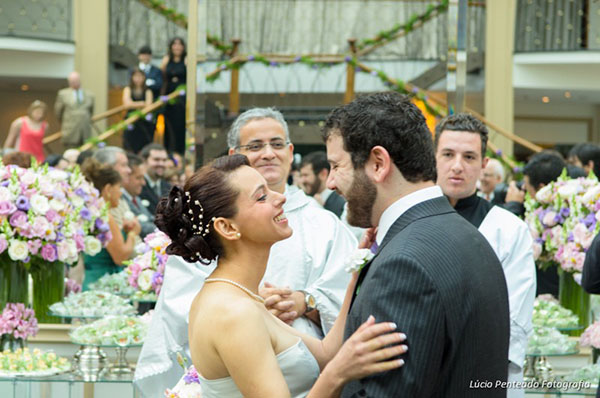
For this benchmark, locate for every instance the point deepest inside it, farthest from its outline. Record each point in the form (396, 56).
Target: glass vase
(14, 284)
(48, 288)
(11, 343)
(595, 354)
(572, 296)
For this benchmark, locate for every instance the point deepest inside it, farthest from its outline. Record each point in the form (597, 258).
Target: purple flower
(539, 240)
(80, 192)
(298, 59)
(130, 127)
(251, 58)
(18, 219)
(357, 69)
(565, 212)
(516, 170)
(85, 214)
(347, 58)
(52, 215)
(589, 220)
(273, 63)
(148, 117)
(570, 237)
(499, 152)
(22, 203)
(181, 93)
(415, 90)
(7, 208)
(101, 144)
(5, 183)
(191, 376)
(373, 73)
(163, 98)
(49, 252)
(101, 225)
(223, 67)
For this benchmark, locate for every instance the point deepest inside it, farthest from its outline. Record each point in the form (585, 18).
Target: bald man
(74, 107)
(491, 183)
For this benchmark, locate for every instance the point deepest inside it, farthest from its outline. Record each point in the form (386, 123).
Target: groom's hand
(279, 302)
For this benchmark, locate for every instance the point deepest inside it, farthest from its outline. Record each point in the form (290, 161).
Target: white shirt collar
(399, 207)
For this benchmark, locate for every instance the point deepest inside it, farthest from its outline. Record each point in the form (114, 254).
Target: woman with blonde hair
(26, 132)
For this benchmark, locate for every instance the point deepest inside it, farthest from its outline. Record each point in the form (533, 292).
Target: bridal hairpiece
(197, 220)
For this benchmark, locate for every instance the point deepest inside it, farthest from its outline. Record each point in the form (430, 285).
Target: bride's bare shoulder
(225, 310)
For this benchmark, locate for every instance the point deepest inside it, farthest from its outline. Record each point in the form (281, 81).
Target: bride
(226, 212)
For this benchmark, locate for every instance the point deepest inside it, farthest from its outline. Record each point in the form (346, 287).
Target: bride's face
(260, 216)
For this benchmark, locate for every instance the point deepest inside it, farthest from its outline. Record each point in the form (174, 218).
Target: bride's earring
(238, 235)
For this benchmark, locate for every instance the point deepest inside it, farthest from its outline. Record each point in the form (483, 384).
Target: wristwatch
(309, 300)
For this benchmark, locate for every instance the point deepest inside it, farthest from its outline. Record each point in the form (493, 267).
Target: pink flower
(550, 219)
(582, 235)
(49, 252)
(7, 208)
(537, 250)
(34, 246)
(3, 243)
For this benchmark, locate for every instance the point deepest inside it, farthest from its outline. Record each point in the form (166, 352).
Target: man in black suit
(131, 190)
(433, 274)
(314, 170)
(155, 160)
(153, 74)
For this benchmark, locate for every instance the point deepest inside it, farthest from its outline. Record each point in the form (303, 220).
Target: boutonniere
(358, 260)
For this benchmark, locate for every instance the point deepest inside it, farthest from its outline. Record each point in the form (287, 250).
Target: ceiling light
(24, 87)
(567, 94)
(545, 99)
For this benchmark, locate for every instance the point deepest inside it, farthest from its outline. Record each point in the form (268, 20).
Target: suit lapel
(424, 209)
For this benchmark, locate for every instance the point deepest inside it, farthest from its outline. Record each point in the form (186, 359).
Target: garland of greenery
(218, 43)
(168, 12)
(388, 35)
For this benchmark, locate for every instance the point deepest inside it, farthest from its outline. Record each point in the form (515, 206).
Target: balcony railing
(37, 19)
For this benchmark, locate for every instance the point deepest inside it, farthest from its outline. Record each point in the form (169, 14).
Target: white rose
(46, 187)
(18, 250)
(5, 195)
(57, 205)
(67, 251)
(142, 218)
(569, 189)
(358, 259)
(128, 215)
(544, 195)
(145, 203)
(77, 200)
(92, 245)
(58, 174)
(145, 279)
(39, 204)
(590, 197)
(28, 178)
(549, 219)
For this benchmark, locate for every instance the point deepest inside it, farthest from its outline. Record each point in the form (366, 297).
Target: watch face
(310, 300)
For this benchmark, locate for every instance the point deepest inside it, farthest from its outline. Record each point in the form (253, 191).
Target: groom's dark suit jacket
(438, 278)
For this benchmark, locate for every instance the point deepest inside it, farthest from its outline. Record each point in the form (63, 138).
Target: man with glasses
(305, 281)
(311, 261)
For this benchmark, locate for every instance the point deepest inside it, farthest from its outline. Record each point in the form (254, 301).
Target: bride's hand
(369, 350)
(368, 238)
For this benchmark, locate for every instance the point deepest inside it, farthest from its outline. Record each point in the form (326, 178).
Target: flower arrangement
(563, 220)
(71, 286)
(550, 313)
(115, 284)
(119, 330)
(591, 336)
(32, 362)
(92, 304)
(18, 322)
(189, 385)
(147, 269)
(50, 215)
(549, 341)
(358, 260)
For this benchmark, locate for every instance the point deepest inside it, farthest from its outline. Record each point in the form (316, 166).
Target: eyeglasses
(258, 146)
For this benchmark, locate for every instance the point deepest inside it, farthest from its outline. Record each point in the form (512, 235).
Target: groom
(434, 274)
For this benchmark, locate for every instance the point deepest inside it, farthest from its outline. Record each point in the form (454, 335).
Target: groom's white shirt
(312, 259)
(399, 207)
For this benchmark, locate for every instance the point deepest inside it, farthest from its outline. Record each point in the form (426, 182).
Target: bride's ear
(226, 229)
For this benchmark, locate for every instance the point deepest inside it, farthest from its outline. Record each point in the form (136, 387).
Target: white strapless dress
(300, 370)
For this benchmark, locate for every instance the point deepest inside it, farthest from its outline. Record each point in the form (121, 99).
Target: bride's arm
(243, 343)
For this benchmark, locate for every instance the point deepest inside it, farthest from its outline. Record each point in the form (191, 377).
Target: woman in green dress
(120, 248)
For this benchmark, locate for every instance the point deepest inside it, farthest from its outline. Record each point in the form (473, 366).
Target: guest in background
(588, 158)
(492, 186)
(173, 67)
(74, 107)
(21, 159)
(155, 159)
(88, 153)
(131, 191)
(71, 155)
(120, 248)
(26, 133)
(154, 79)
(314, 171)
(57, 161)
(137, 96)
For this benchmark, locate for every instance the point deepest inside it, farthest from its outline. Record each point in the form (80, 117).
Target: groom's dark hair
(390, 120)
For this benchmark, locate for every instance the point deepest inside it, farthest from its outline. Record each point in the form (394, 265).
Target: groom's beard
(361, 198)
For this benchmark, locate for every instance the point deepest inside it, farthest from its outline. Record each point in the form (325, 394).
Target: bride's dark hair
(186, 214)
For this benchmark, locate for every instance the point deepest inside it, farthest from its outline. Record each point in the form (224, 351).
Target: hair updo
(178, 214)
(99, 174)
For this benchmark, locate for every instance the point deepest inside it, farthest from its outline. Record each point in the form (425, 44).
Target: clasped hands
(283, 302)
